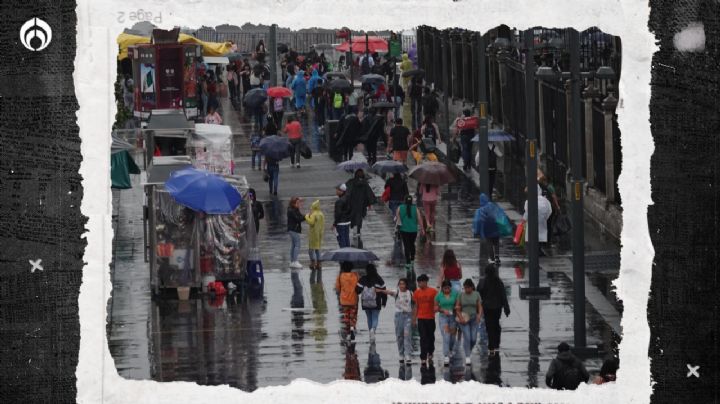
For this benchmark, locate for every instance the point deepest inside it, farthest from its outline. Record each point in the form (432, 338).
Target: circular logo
(35, 34)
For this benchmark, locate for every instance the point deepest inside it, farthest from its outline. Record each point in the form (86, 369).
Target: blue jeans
(314, 254)
(394, 205)
(398, 105)
(482, 334)
(373, 317)
(343, 235)
(294, 246)
(403, 333)
(456, 286)
(256, 156)
(469, 333)
(274, 173)
(447, 324)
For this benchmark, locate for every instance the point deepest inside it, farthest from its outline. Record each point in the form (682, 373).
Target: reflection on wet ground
(292, 329)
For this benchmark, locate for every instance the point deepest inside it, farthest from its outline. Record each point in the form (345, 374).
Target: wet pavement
(293, 330)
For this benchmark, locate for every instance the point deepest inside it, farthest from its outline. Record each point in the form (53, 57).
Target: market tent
(360, 44)
(122, 164)
(209, 48)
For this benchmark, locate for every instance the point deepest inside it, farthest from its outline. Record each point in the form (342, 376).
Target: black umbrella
(275, 147)
(414, 73)
(389, 166)
(382, 104)
(339, 85)
(255, 97)
(335, 75)
(349, 254)
(372, 79)
(282, 48)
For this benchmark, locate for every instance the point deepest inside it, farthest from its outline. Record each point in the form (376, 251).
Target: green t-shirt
(468, 302)
(408, 224)
(447, 302)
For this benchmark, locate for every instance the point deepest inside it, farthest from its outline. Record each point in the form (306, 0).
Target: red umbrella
(374, 44)
(278, 92)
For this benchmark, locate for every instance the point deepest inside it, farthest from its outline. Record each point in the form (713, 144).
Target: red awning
(374, 44)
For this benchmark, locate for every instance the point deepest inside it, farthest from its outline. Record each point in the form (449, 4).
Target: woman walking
(316, 220)
(293, 129)
(494, 300)
(429, 202)
(294, 222)
(257, 209)
(398, 192)
(345, 286)
(444, 306)
(272, 169)
(372, 301)
(403, 319)
(450, 270)
(469, 310)
(407, 220)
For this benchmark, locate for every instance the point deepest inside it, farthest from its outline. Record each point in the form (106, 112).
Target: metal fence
(451, 63)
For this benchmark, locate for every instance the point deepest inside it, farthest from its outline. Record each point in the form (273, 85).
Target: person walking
(445, 307)
(544, 213)
(485, 226)
(403, 319)
(245, 77)
(345, 286)
(469, 310)
(349, 130)
(430, 104)
(450, 270)
(260, 52)
(494, 301)
(232, 82)
(608, 371)
(398, 142)
(398, 192)
(361, 199)
(293, 129)
(212, 116)
(294, 222)
(424, 318)
(566, 371)
(466, 136)
(278, 109)
(316, 221)
(257, 209)
(405, 66)
(371, 300)
(416, 92)
(342, 217)
(407, 219)
(272, 169)
(299, 87)
(430, 194)
(550, 194)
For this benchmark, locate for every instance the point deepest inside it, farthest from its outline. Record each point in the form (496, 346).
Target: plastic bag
(519, 232)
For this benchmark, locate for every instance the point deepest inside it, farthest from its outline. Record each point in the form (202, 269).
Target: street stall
(196, 223)
(211, 148)
(167, 134)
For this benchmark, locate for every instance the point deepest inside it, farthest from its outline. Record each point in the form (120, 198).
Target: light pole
(574, 77)
(482, 111)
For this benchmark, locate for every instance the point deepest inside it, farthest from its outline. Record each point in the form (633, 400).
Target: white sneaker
(446, 361)
(372, 335)
(408, 360)
(467, 361)
(297, 165)
(295, 264)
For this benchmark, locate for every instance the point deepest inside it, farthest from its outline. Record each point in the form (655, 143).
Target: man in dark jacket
(374, 129)
(416, 92)
(349, 129)
(361, 198)
(494, 301)
(566, 372)
(342, 218)
(430, 104)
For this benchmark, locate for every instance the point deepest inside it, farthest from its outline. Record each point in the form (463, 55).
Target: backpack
(254, 80)
(369, 297)
(570, 377)
(337, 101)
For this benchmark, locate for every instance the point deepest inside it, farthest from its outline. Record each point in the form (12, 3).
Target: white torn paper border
(99, 23)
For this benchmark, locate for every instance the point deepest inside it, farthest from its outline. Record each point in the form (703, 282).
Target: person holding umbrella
(349, 129)
(430, 194)
(398, 142)
(361, 199)
(294, 222)
(408, 221)
(272, 170)
(316, 220)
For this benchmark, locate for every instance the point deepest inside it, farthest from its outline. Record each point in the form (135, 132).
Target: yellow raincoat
(405, 65)
(316, 220)
(209, 48)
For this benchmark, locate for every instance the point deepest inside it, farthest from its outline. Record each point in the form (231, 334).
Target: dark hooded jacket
(360, 196)
(349, 130)
(554, 378)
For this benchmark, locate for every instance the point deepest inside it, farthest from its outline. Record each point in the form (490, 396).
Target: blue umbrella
(352, 165)
(496, 136)
(275, 147)
(349, 254)
(203, 191)
(389, 166)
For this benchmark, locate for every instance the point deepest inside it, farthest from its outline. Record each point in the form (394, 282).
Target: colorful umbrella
(203, 191)
(359, 45)
(277, 92)
(432, 173)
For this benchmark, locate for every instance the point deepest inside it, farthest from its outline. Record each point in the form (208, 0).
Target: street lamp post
(482, 110)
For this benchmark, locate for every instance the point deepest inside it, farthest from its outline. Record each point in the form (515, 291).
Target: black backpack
(570, 377)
